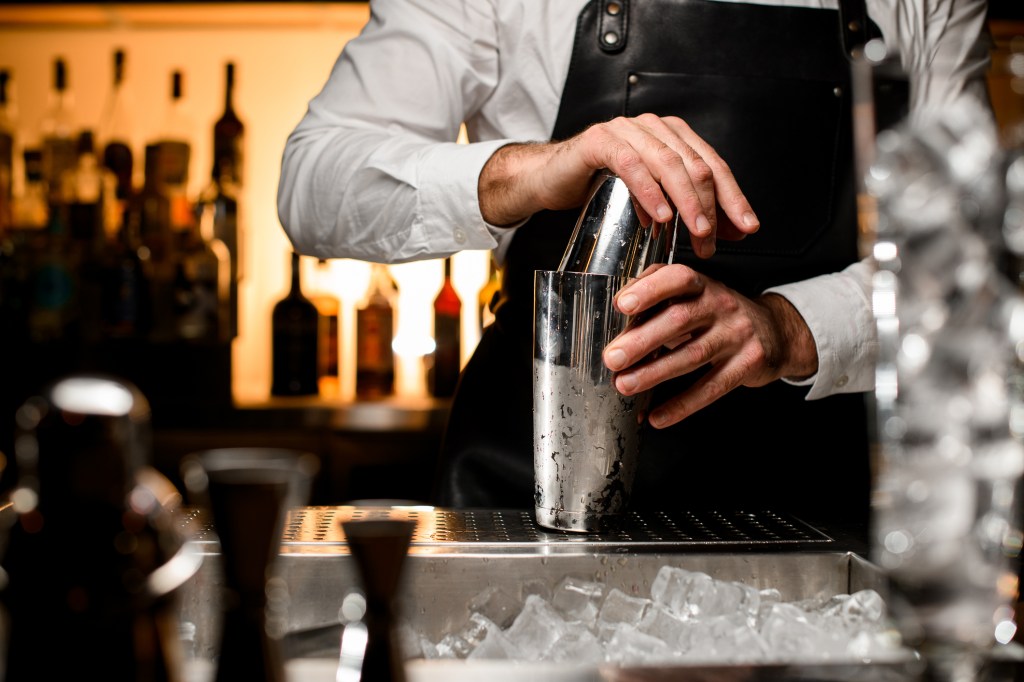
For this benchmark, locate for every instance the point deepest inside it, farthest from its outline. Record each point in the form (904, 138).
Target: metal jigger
(94, 558)
(248, 492)
(586, 434)
(379, 547)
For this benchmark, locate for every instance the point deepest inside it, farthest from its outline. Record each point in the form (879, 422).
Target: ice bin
(456, 555)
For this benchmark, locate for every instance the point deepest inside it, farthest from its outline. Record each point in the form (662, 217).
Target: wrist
(797, 349)
(503, 188)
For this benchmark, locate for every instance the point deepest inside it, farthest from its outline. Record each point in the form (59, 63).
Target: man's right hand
(663, 162)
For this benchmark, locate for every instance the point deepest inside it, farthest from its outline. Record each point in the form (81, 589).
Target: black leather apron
(769, 88)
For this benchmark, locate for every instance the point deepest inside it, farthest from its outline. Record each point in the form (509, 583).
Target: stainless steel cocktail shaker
(586, 434)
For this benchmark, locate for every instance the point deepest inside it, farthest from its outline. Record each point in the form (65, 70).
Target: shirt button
(842, 381)
(460, 236)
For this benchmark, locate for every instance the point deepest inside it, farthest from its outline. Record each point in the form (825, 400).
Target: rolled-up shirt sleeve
(837, 310)
(373, 170)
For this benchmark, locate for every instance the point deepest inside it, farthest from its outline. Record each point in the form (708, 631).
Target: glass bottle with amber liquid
(329, 307)
(375, 324)
(443, 368)
(488, 292)
(294, 341)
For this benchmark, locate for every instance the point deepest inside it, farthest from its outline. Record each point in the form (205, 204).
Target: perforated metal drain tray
(515, 531)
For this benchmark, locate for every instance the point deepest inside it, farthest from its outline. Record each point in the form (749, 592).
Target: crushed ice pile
(689, 618)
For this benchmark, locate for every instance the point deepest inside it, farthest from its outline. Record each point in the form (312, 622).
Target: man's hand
(693, 321)
(663, 162)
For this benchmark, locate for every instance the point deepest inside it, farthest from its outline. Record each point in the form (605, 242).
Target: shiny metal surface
(610, 239)
(586, 434)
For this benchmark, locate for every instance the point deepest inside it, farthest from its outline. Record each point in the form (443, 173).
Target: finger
(633, 349)
(713, 385)
(728, 194)
(616, 145)
(657, 368)
(656, 284)
(683, 174)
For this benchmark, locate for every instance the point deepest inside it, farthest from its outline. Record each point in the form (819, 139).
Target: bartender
(735, 115)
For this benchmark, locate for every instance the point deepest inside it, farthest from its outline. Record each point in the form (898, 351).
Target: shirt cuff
(448, 179)
(837, 310)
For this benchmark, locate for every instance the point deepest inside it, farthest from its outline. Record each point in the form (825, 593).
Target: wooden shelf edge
(341, 15)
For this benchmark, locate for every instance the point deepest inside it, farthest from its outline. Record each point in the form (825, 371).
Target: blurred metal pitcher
(586, 435)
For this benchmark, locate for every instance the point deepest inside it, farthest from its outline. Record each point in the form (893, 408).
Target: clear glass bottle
(217, 210)
(294, 340)
(375, 327)
(57, 130)
(219, 200)
(446, 361)
(115, 132)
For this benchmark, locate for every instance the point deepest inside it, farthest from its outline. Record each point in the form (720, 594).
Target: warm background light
(283, 53)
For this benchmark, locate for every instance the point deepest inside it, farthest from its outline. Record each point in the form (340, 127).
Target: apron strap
(613, 25)
(855, 27)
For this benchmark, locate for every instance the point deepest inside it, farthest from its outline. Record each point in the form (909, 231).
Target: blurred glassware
(950, 323)
(248, 493)
(95, 555)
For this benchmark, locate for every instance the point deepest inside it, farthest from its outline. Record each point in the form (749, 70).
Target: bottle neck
(229, 95)
(296, 289)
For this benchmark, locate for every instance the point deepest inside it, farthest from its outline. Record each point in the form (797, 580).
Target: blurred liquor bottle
(56, 130)
(488, 292)
(24, 242)
(54, 310)
(115, 134)
(219, 200)
(127, 299)
(174, 144)
(87, 191)
(294, 341)
(198, 289)
(446, 361)
(228, 135)
(375, 325)
(10, 289)
(328, 305)
(149, 213)
(7, 129)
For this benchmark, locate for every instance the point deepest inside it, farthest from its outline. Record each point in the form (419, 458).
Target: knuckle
(700, 172)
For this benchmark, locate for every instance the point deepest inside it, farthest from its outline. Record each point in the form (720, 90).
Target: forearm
(511, 188)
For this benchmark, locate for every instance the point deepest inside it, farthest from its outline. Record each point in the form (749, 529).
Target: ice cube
(578, 599)
(537, 627)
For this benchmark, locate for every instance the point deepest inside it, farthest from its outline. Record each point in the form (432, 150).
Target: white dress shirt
(373, 170)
